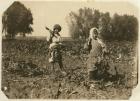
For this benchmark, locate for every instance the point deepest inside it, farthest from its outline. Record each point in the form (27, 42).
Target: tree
(118, 27)
(130, 28)
(80, 22)
(73, 25)
(104, 25)
(124, 27)
(17, 19)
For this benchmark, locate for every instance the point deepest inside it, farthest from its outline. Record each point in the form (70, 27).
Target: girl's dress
(95, 55)
(55, 54)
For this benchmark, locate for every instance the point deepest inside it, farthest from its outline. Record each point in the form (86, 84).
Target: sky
(48, 13)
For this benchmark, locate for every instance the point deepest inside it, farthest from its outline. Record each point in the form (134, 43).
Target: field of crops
(27, 74)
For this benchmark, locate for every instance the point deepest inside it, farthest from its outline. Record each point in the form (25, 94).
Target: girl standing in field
(55, 46)
(97, 48)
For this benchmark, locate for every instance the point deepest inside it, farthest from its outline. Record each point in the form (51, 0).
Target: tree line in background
(17, 19)
(118, 27)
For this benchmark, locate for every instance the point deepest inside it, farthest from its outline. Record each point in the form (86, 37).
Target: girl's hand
(104, 50)
(49, 30)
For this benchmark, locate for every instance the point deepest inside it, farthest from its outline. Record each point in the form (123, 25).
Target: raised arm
(49, 30)
(51, 34)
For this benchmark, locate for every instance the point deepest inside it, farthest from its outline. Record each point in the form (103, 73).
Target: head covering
(92, 32)
(57, 26)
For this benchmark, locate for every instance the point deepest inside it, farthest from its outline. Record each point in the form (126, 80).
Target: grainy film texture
(69, 50)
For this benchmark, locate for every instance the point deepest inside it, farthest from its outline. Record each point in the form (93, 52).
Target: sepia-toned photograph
(69, 50)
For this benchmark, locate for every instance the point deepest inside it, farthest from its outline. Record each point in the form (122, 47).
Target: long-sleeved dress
(95, 54)
(54, 49)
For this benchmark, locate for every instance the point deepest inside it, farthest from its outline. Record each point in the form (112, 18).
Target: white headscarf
(92, 32)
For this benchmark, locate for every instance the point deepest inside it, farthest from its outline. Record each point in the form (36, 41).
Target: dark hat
(57, 26)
